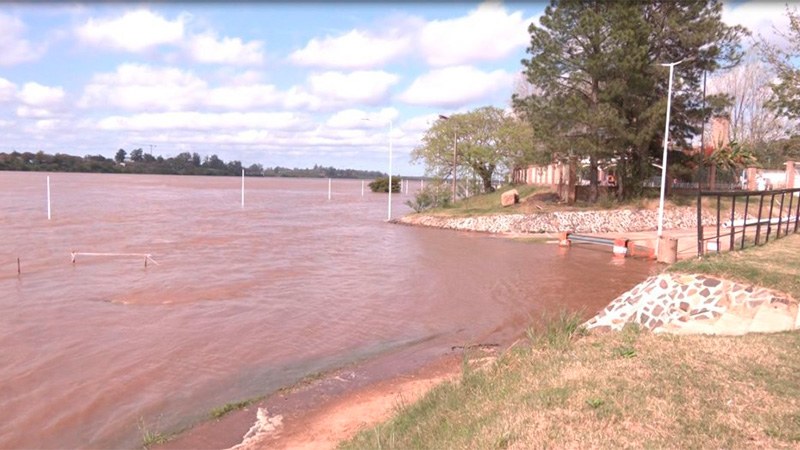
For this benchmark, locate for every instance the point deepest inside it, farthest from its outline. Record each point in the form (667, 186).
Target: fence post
(699, 221)
(668, 250)
(733, 223)
(751, 178)
(790, 175)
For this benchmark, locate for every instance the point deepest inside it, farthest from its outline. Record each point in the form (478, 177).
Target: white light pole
(389, 215)
(664, 158)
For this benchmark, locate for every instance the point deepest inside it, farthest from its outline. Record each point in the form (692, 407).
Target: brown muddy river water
(243, 301)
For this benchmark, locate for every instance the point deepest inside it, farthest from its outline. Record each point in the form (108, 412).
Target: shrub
(430, 197)
(382, 184)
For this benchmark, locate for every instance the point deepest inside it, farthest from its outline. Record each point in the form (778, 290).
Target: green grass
(631, 389)
(533, 201)
(151, 437)
(216, 413)
(487, 203)
(775, 265)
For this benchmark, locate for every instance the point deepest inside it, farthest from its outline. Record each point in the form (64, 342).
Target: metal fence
(761, 214)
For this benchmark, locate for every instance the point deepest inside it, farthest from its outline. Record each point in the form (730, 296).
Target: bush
(430, 197)
(382, 184)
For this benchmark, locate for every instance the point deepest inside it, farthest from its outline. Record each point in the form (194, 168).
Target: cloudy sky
(268, 83)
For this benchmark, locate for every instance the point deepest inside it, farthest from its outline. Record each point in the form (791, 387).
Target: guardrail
(762, 213)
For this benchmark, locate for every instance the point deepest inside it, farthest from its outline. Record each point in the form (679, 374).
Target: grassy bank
(631, 389)
(539, 199)
(776, 265)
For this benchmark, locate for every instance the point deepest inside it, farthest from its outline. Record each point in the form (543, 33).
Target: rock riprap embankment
(608, 221)
(699, 304)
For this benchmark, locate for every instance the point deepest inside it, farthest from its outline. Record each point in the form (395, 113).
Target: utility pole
(151, 148)
(455, 156)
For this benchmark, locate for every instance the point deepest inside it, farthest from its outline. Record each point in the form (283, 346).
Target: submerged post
(362, 188)
(329, 189)
(48, 197)
(145, 261)
(19, 271)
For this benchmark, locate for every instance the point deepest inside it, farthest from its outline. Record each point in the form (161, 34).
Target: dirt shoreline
(318, 414)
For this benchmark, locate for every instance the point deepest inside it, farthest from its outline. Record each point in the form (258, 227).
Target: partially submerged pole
(329, 189)
(362, 188)
(19, 271)
(48, 197)
(145, 261)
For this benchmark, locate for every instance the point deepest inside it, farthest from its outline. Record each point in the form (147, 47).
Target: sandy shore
(318, 414)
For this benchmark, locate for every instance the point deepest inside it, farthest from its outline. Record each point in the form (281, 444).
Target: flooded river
(243, 300)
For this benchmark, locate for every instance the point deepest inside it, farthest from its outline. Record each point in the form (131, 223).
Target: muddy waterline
(243, 301)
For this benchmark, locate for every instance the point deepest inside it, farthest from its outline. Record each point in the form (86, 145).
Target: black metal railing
(761, 213)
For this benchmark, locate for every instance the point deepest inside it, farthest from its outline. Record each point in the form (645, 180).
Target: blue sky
(269, 83)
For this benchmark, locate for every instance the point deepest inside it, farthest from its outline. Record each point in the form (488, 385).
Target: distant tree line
(182, 164)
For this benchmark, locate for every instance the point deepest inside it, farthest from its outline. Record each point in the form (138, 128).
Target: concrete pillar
(668, 250)
(751, 178)
(790, 174)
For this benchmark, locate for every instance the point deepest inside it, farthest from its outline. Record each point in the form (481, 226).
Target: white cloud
(14, 49)
(486, 33)
(27, 112)
(354, 50)
(138, 86)
(35, 94)
(243, 97)
(135, 31)
(7, 90)
(761, 18)
(205, 121)
(365, 87)
(206, 48)
(456, 86)
(358, 119)
(420, 123)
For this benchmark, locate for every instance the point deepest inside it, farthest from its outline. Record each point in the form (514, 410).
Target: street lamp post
(455, 155)
(664, 158)
(389, 214)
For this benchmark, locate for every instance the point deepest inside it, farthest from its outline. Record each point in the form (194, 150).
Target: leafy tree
(599, 90)
(195, 159)
(255, 169)
(488, 140)
(120, 156)
(137, 155)
(786, 91)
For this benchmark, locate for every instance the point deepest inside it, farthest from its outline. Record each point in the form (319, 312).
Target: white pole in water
(242, 188)
(362, 188)
(48, 197)
(329, 189)
(421, 185)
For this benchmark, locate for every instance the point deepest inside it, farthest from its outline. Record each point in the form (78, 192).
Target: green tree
(488, 140)
(786, 91)
(137, 155)
(599, 90)
(120, 156)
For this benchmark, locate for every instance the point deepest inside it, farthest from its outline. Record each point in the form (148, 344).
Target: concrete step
(771, 318)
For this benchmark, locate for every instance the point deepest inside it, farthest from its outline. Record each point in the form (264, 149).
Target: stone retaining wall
(699, 304)
(575, 221)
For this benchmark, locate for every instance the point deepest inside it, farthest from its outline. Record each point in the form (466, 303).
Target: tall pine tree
(599, 90)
